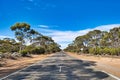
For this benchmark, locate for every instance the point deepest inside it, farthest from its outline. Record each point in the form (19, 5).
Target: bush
(24, 53)
(105, 51)
(95, 51)
(85, 50)
(38, 50)
(91, 50)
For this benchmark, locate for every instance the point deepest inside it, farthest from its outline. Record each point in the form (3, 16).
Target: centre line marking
(60, 69)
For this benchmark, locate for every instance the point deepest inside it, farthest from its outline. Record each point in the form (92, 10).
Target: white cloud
(1, 37)
(65, 37)
(43, 26)
(107, 27)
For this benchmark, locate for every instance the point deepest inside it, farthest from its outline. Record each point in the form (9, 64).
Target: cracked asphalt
(60, 66)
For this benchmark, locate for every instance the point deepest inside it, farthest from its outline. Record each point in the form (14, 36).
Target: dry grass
(110, 65)
(13, 65)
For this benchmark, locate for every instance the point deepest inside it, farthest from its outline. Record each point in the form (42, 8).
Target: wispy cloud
(39, 4)
(43, 26)
(65, 37)
(2, 37)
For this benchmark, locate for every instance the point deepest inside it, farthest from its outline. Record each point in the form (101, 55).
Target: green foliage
(85, 50)
(8, 46)
(34, 50)
(105, 51)
(47, 43)
(97, 42)
(23, 33)
(40, 44)
(38, 50)
(24, 53)
(95, 51)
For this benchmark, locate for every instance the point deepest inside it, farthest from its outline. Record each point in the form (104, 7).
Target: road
(60, 66)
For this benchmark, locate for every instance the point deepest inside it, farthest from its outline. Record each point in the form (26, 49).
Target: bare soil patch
(108, 64)
(13, 65)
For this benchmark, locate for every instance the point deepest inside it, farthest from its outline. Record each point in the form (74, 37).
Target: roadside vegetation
(38, 43)
(97, 42)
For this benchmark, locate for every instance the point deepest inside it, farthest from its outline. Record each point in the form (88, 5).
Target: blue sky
(63, 20)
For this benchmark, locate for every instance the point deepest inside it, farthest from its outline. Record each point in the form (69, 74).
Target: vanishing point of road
(60, 66)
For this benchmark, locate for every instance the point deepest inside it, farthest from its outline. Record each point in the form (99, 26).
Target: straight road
(60, 66)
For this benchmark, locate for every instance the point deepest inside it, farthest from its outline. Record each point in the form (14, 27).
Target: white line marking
(60, 69)
(111, 75)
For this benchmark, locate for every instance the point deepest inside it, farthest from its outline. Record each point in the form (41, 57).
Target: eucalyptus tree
(79, 43)
(42, 40)
(94, 37)
(33, 34)
(47, 43)
(105, 40)
(22, 32)
(9, 40)
(70, 47)
(115, 36)
(8, 45)
(53, 47)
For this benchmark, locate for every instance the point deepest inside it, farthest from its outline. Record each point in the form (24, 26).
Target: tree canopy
(97, 40)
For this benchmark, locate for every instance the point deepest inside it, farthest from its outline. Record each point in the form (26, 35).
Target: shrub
(85, 50)
(91, 50)
(38, 50)
(106, 51)
(95, 51)
(24, 53)
(112, 51)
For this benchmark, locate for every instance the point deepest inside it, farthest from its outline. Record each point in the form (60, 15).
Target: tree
(47, 43)
(98, 42)
(22, 32)
(115, 36)
(8, 45)
(33, 34)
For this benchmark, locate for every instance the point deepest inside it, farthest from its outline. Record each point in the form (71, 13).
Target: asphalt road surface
(60, 66)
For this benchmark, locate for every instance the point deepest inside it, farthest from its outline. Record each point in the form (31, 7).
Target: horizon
(62, 20)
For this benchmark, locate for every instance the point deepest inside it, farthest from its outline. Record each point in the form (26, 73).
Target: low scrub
(32, 50)
(38, 50)
(104, 51)
(24, 53)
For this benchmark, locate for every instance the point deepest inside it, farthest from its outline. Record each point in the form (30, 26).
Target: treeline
(97, 42)
(38, 43)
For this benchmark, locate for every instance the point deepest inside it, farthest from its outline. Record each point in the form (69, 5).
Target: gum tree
(22, 32)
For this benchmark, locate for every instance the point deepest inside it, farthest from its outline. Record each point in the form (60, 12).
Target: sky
(63, 20)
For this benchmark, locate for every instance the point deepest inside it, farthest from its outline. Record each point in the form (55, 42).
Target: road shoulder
(14, 65)
(102, 63)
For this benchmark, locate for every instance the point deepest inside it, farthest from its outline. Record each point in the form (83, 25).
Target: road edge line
(111, 75)
(100, 70)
